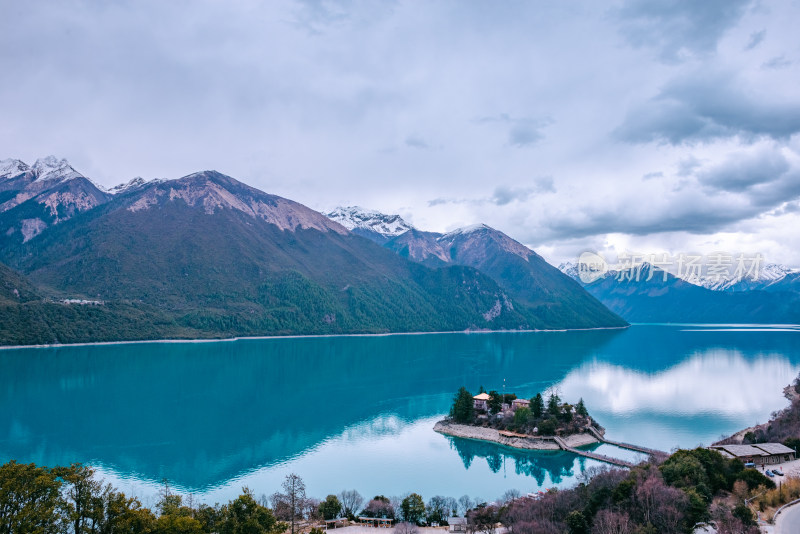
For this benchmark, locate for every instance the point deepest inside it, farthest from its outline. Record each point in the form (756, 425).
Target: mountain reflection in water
(357, 412)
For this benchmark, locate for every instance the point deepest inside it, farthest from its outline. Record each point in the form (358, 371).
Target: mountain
(571, 270)
(648, 294)
(768, 275)
(208, 256)
(373, 225)
(527, 277)
(35, 198)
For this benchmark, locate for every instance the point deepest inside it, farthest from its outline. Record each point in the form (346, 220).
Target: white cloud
(378, 104)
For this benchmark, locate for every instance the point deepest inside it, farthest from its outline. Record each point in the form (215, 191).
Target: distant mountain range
(208, 256)
(525, 275)
(649, 294)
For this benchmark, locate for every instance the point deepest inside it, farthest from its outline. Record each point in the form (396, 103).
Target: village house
(516, 404)
(457, 524)
(481, 402)
(758, 453)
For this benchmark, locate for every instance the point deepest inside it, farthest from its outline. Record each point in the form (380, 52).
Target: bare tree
(608, 522)
(292, 501)
(510, 496)
(464, 505)
(406, 528)
(452, 506)
(351, 502)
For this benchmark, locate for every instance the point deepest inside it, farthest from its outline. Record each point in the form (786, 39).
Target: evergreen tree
(463, 410)
(553, 406)
(495, 402)
(537, 406)
(413, 508)
(580, 408)
(330, 508)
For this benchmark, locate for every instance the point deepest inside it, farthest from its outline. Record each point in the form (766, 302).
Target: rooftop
(482, 396)
(758, 449)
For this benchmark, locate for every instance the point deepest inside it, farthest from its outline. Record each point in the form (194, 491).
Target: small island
(520, 423)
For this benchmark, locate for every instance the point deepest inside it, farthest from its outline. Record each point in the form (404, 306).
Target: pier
(592, 455)
(630, 447)
(608, 459)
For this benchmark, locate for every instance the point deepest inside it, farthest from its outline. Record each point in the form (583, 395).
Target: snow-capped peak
(12, 167)
(133, 184)
(774, 272)
(767, 275)
(467, 230)
(352, 217)
(570, 269)
(51, 168)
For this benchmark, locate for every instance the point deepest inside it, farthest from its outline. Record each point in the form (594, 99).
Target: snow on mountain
(766, 276)
(358, 218)
(775, 272)
(51, 168)
(570, 269)
(132, 185)
(466, 230)
(12, 167)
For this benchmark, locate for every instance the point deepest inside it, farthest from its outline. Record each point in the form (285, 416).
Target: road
(788, 521)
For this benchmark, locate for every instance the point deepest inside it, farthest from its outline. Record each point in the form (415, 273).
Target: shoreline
(738, 437)
(301, 336)
(478, 433)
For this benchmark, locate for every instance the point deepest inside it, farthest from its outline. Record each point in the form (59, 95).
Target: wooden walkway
(593, 455)
(630, 447)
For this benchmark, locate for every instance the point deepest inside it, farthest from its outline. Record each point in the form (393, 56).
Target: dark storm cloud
(740, 172)
(707, 106)
(741, 187)
(676, 28)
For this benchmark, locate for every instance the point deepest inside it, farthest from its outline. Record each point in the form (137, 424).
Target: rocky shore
(543, 443)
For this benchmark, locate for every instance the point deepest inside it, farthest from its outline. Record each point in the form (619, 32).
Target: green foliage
(580, 409)
(576, 522)
(547, 427)
(754, 479)
(522, 416)
(495, 402)
(30, 499)
(705, 470)
(537, 405)
(245, 516)
(553, 405)
(413, 508)
(697, 508)
(330, 508)
(744, 514)
(463, 409)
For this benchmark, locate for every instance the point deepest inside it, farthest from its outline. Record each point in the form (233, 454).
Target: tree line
(544, 418)
(689, 487)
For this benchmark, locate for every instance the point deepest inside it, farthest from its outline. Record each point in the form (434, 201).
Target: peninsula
(520, 423)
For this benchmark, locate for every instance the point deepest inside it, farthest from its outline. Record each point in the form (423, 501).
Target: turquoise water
(358, 412)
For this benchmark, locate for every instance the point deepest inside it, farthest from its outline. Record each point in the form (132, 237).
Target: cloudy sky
(639, 125)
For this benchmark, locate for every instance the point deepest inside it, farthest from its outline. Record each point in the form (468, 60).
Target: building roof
(456, 520)
(758, 449)
(520, 401)
(482, 396)
(742, 450)
(774, 448)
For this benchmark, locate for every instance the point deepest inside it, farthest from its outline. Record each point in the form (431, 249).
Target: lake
(357, 412)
